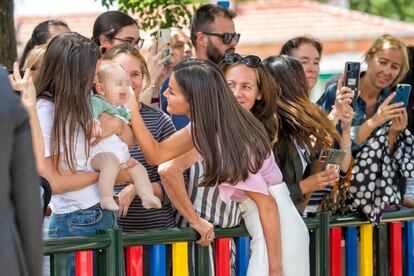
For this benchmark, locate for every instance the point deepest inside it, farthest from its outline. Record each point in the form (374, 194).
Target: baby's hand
(96, 130)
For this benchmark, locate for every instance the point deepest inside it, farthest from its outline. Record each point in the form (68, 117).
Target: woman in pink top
(256, 91)
(233, 143)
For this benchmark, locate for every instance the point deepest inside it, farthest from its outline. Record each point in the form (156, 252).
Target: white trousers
(294, 234)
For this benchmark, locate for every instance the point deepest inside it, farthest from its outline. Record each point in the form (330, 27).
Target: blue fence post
(351, 251)
(158, 259)
(242, 255)
(409, 248)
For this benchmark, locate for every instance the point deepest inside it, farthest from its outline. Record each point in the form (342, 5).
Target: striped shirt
(138, 218)
(207, 203)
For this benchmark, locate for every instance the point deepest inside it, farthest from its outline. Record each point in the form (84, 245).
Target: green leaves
(155, 14)
(396, 9)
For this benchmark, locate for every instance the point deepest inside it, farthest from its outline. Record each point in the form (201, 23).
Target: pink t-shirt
(268, 175)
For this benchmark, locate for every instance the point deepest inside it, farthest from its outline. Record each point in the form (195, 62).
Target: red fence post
(335, 256)
(395, 249)
(223, 257)
(134, 261)
(84, 263)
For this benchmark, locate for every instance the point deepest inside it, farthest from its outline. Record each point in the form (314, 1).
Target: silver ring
(209, 237)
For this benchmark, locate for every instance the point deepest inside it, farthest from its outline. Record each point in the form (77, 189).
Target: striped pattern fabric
(138, 218)
(207, 203)
(209, 206)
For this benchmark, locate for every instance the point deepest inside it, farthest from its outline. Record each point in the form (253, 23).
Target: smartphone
(333, 158)
(351, 79)
(163, 38)
(403, 94)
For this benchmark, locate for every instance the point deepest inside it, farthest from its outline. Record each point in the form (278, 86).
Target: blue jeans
(80, 223)
(409, 192)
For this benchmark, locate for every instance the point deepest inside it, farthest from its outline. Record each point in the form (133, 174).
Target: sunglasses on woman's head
(250, 60)
(226, 37)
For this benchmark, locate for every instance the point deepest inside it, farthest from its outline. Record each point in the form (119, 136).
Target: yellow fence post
(366, 258)
(180, 258)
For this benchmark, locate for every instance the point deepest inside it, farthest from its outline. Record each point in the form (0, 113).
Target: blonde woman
(378, 128)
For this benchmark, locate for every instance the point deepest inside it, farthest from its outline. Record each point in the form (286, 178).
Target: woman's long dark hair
(66, 78)
(264, 109)
(299, 117)
(40, 35)
(109, 23)
(232, 141)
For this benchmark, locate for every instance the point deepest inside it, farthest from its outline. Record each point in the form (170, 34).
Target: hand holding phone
(333, 159)
(403, 92)
(351, 74)
(163, 38)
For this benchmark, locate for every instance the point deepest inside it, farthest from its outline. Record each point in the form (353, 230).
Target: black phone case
(352, 76)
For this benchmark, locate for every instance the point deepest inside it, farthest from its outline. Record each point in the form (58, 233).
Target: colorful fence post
(110, 260)
(223, 257)
(366, 261)
(180, 258)
(242, 255)
(335, 256)
(158, 257)
(134, 261)
(84, 263)
(395, 249)
(324, 244)
(59, 265)
(409, 248)
(381, 249)
(351, 251)
(202, 260)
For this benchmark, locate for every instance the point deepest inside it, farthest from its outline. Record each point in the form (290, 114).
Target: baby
(110, 152)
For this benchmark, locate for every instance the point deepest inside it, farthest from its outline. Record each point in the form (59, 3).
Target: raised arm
(28, 98)
(155, 152)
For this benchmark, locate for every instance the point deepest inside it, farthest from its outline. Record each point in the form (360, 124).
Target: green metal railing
(109, 243)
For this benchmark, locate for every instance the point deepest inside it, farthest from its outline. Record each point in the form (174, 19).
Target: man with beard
(213, 35)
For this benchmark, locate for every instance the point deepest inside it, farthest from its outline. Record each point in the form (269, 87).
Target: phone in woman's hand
(402, 94)
(351, 78)
(333, 158)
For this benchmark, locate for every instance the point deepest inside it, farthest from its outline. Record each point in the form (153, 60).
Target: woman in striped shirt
(132, 215)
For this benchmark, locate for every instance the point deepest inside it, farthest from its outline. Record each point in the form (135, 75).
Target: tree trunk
(7, 34)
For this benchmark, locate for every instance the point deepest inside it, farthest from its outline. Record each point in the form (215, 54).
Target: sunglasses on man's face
(250, 60)
(226, 37)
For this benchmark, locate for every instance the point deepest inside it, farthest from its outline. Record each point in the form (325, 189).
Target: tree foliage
(154, 14)
(7, 35)
(395, 9)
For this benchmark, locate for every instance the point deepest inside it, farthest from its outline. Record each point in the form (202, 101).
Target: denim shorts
(80, 223)
(409, 192)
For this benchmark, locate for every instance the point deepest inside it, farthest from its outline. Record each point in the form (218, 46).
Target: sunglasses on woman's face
(250, 60)
(226, 37)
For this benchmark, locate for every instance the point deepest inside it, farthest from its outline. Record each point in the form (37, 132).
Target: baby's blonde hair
(106, 68)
